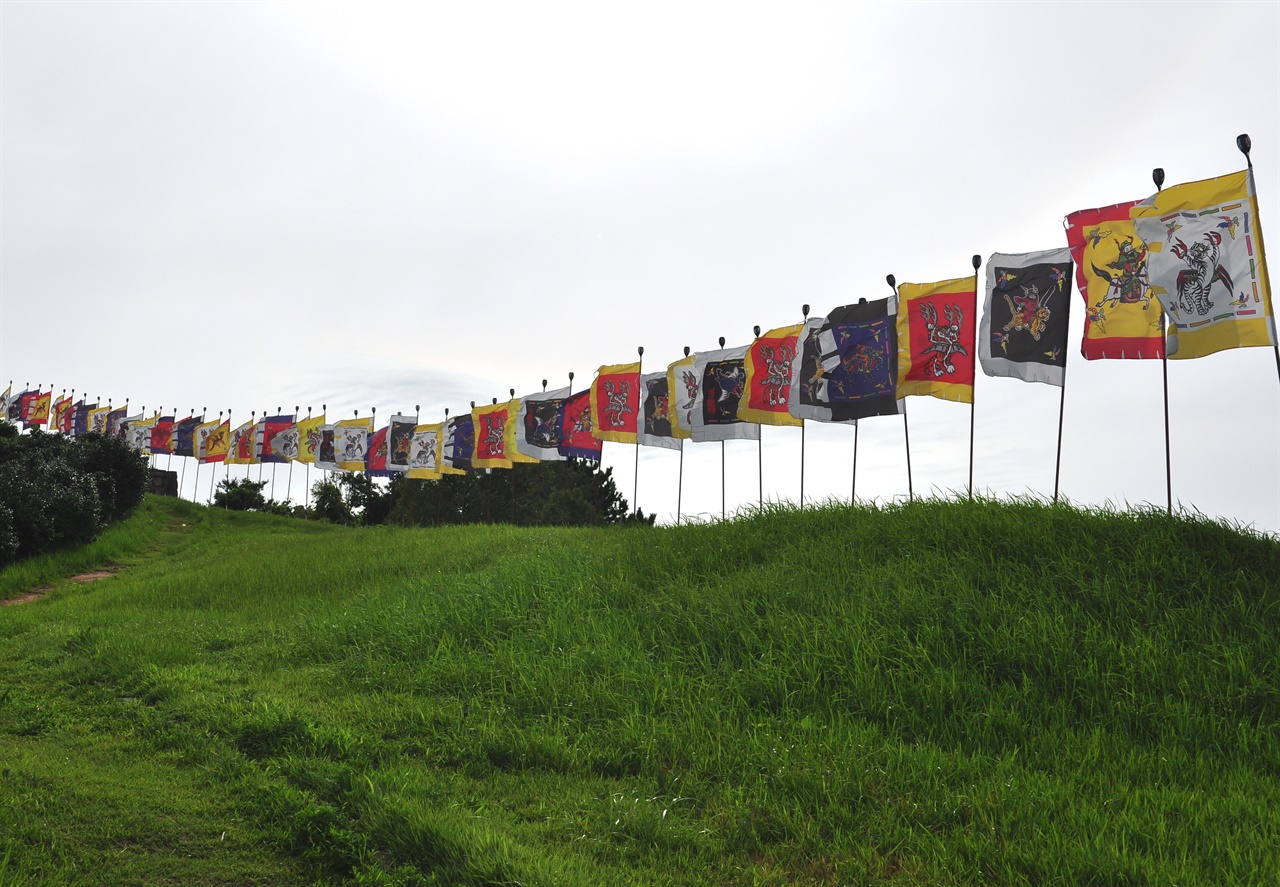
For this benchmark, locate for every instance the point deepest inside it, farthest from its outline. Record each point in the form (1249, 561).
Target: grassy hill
(940, 693)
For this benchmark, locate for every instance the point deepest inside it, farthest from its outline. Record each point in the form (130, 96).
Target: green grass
(938, 693)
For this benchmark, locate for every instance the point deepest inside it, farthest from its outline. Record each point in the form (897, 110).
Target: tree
(240, 494)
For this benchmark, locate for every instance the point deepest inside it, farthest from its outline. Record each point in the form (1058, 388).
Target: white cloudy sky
(245, 206)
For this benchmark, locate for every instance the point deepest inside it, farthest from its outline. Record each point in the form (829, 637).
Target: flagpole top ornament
(513, 392)
(805, 310)
(570, 375)
(686, 350)
(892, 281)
(324, 406)
(977, 261)
(544, 384)
(722, 341)
(1157, 176)
(1245, 144)
(756, 329)
(473, 404)
(417, 408)
(495, 401)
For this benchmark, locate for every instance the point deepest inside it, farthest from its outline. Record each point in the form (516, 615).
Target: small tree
(329, 505)
(241, 494)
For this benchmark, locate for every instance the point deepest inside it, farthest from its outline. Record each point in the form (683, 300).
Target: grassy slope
(940, 693)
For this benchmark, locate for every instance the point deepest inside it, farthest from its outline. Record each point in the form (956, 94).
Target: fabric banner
(375, 461)
(400, 433)
(114, 418)
(682, 387)
(36, 409)
(576, 430)
(351, 442)
(770, 365)
(211, 441)
(240, 445)
(277, 439)
(722, 379)
(309, 438)
(138, 434)
(97, 419)
(654, 421)
(184, 436)
(162, 435)
(460, 443)
(539, 425)
(6, 400)
(59, 419)
(513, 431)
(327, 448)
(615, 402)
(937, 331)
(424, 452)
(490, 423)
(848, 364)
(1023, 333)
(80, 421)
(1206, 265)
(1121, 319)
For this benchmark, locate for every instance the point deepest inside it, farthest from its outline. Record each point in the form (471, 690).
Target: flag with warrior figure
(655, 421)
(460, 443)
(490, 422)
(37, 409)
(937, 331)
(240, 445)
(1121, 320)
(722, 381)
(327, 448)
(400, 431)
(277, 439)
(1206, 265)
(539, 426)
(848, 364)
(769, 365)
(351, 442)
(1023, 333)
(513, 432)
(577, 433)
(211, 440)
(425, 447)
(114, 418)
(375, 463)
(682, 388)
(309, 438)
(97, 419)
(615, 402)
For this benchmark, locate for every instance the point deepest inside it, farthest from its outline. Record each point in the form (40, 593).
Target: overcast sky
(252, 205)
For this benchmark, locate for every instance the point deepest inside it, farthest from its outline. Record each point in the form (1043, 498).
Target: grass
(936, 693)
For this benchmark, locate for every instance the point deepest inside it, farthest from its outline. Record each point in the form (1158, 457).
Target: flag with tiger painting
(1026, 309)
(539, 425)
(400, 432)
(276, 439)
(425, 447)
(460, 443)
(351, 442)
(577, 434)
(937, 334)
(212, 440)
(309, 438)
(58, 420)
(682, 388)
(1122, 320)
(769, 366)
(655, 421)
(326, 448)
(240, 444)
(722, 381)
(513, 432)
(615, 402)
(375, 461)
(847, 368)
(490, 421)
(1206, 265)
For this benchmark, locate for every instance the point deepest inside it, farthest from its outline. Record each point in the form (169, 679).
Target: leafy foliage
(241, 494)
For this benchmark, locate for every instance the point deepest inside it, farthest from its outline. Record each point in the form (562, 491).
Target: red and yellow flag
(615, 402)
(491, 436)
(768, 390)
(937, 330)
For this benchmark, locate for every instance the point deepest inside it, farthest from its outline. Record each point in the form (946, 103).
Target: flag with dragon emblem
(682, 388)
(36, 410)
(577, 433)
(770, 365)
(309, 438)
(848, 364)
(937, 330)
(490, 422)
(277, 439)
(425, 448)
(327, 448)
(1122, 320)
(538, 432)
(97, 419)
(351, 442)
(1023, 333)
(722, 381)
(615, 402)
(460, 443)
(240, 445)
(162, 435)
(212, 440)
(1206, 266)
(655, 421)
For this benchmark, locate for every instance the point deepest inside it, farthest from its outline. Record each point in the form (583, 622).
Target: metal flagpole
(1062, 405)
(853, 487)
(760, 444)
(213, 473)
(1157, 176)
(805, 310)
(1245, 144)
(255, 441)
(722, 475)
(273, 464)
(306, 489)
(182, 482)
(296, 410)
(906, 426)
(195, 454)
(635, 489)
(977, 263)
(680, 476)
(253, 422)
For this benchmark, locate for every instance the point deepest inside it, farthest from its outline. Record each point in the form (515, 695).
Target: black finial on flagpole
(324, 407)
(417, 408)
(446, 414)
(1157, 176)
(722, 341)
(296, 409)
(756, 329)
(1245, 144)
(570, 377)
(473, 404)
(513, 393)
(893, 283)
(544, 384)
(805, 310)
(686, 350)
(640, 350)
(495, 401)
(977, 261)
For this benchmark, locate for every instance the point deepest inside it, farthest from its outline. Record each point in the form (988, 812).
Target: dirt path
(93, 576)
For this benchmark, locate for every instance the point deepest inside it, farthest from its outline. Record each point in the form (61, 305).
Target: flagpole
(805, 310)
(183, 480)
(195, 484)
(273, 464)
(973, 398)
(722, 474)
(1062, 405)
(853, 487)
(906, 426)
(635, 489)
(1245, 144)
(680, 475)
(760, 442)
(1157, 176)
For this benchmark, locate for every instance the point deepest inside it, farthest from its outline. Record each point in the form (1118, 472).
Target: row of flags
(1189, 255)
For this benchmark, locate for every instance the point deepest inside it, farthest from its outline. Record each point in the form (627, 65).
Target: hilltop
(942, 692)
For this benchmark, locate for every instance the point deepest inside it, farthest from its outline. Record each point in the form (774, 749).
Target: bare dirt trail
(92, 576)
